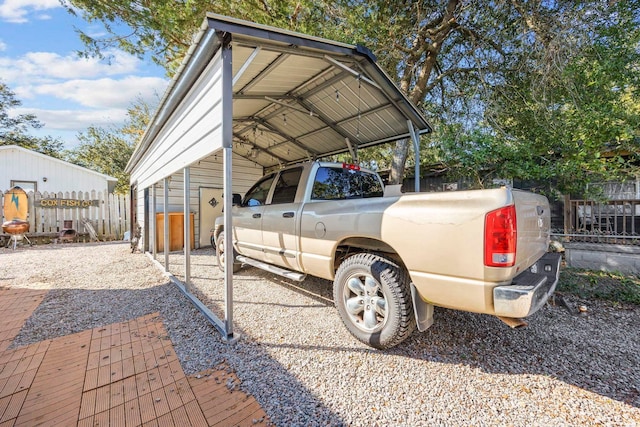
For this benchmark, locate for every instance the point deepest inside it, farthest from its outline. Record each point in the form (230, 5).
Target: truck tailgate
(534, 227)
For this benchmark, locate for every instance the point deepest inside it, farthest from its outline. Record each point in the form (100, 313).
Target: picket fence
(50, 213)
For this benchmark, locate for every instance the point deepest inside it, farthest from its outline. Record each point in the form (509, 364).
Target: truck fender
(422, 310)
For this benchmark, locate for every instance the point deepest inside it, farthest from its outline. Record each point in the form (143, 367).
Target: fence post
(567, 215)
(113, 216)
(31, 196)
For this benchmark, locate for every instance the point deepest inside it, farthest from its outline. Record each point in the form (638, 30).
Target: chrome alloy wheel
(365, 303)
(220, 252)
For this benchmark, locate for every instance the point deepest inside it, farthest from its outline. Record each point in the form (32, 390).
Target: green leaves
(14, 128)
(522, 89)
(108, 150)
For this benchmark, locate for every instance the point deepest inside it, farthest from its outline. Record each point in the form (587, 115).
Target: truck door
(247, 219)
(281, 220)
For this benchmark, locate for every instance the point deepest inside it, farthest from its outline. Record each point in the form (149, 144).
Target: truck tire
(373, 298)
(219, 245)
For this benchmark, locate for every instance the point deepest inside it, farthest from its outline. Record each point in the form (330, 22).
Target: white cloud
(16, 11)
(3, 46)
(34, 67)
(102, 103)
(104, 93)
(75, 120)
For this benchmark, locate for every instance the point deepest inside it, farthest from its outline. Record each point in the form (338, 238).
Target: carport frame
(216, 36)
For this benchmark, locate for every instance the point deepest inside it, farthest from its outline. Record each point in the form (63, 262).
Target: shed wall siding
(204, 173)
(24, 166)
(192, 132)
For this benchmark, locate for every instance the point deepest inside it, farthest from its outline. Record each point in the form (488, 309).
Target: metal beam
(154, 220)
(292, 107)
(324, 119)
(187, 225)
(294, 141)
(245, 141)
(208, 314)
(345, 120)
(227, 168)
(166, 224)
(246, 64)
(354, 73)
(416, 148)
(264, 73)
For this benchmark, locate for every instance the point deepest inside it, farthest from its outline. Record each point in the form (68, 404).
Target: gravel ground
(298, 360)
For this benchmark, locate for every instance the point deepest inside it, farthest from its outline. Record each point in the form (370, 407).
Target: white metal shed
(261, 98)
(35, 171)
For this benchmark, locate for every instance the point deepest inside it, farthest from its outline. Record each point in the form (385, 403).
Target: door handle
(256, 215)
(287, 215)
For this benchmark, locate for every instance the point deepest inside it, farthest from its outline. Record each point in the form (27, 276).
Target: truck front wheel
(373, 298)
(219, 245)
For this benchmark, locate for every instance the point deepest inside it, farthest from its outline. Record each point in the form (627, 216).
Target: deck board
(123, 374)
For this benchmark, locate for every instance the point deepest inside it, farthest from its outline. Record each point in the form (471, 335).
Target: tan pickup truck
(393, 257)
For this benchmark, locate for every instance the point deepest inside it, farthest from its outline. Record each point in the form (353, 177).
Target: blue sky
(39, 63)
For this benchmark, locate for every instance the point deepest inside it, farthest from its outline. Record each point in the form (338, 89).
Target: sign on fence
(67, 203)
(108, 213)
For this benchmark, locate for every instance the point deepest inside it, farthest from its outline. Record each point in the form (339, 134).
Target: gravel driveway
(303, 367)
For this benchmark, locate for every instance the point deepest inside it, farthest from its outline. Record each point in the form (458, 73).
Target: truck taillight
(350, 167)
(500, 236)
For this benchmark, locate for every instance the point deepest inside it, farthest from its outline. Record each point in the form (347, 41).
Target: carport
(265, 97)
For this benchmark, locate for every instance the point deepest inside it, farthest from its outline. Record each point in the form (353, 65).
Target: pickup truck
(392, 257)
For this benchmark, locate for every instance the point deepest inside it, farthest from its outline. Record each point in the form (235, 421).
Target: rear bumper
(529, 290)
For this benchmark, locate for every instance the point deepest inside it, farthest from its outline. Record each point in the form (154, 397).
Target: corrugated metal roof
(295, 97)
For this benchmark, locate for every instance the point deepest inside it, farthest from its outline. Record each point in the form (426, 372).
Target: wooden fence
(50, 213)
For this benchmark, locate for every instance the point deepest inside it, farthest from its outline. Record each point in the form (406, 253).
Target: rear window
(336, 183)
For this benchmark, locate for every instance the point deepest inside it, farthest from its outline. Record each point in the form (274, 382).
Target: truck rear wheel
(219, 245)
(373, 298)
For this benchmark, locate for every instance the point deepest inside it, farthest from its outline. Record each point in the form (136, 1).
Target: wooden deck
(124, 374)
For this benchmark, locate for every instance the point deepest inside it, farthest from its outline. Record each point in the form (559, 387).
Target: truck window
(257, 195)
(286, 186)
(335, 183)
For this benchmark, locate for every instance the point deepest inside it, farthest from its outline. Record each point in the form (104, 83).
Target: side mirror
(236, 200)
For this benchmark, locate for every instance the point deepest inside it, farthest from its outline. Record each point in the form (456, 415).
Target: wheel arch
(354, 245)
(217, 229)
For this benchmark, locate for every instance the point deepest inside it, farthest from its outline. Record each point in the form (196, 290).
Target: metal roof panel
(295, 96)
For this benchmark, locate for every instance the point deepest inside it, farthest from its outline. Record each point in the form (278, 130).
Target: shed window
(25, 185)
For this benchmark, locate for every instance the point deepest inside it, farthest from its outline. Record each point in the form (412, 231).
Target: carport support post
(187, 227)
(154, 220)
(416, 149)
(227, 150)
(166, 224)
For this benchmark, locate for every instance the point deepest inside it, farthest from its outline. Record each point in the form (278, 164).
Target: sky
(40, 65)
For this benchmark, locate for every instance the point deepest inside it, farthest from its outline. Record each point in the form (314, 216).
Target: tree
(573, 116)
(492, 70)
(165, 30)
(107, 150)
(13, 129)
